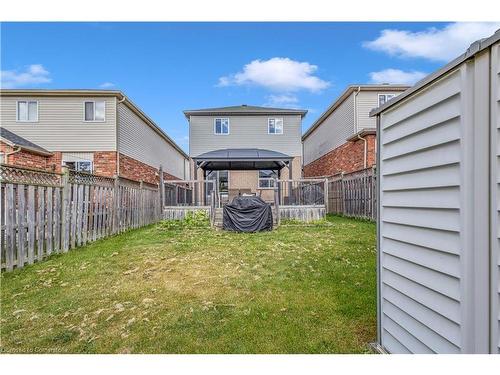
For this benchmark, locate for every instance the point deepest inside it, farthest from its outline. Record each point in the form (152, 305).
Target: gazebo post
(290, 182)
(195, 183)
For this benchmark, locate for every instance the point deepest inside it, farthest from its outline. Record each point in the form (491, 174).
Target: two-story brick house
(245, 147)
(100, 131)
(342, 139)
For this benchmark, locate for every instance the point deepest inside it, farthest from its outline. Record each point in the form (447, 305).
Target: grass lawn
(181, 289)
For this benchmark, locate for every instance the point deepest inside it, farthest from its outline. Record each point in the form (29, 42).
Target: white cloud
(34, 74)
(279, 74)
(107, 85)
(433, 44)
(396, 76)
(283, 100)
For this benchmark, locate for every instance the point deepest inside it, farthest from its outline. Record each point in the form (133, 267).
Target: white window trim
(27, 101)
(228, 125)
(386, 99)
(263, 178)
(63, 162)
(94, 101)
(282, 125)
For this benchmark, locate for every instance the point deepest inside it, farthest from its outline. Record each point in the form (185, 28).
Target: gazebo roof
(242, 159)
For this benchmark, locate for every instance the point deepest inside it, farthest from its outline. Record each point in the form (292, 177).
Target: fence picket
(9, 233)
(21, 229)
(41, 222)
(85, 215)
(50, 227)
(31, 224)
(57, 220)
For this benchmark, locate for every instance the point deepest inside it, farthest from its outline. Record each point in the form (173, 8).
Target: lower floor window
(267, 178)
(80, 166)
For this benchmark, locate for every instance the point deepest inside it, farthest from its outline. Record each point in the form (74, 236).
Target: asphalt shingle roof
(19, 141)
(245, 109)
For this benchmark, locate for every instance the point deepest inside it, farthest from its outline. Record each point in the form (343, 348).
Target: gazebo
(242, 159)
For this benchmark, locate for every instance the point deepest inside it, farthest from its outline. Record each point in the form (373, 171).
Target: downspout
(356, 127)
(7, 154)
(117, 133)
(365, 151)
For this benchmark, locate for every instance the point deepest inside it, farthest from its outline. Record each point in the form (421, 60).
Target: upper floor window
(27, 111)
(383, 98)
(94, 111)
(275, 126)
(221, 126)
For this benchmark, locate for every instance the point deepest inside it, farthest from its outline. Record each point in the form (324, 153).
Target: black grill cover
(247, 214)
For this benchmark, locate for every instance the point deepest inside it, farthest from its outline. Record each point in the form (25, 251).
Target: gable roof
(15, 140)
(345, 94)
(472, 51)
(245, 110)
(122, 98)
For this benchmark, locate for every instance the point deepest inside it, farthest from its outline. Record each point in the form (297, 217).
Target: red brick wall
(54, 162)
(24, 158)
(105, 163)
(136, 170)
(346, 158)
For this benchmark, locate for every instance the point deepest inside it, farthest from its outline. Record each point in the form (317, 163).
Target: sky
(166, 68)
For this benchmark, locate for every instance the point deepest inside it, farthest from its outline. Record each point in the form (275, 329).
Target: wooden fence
(353, 194)
(44, 213)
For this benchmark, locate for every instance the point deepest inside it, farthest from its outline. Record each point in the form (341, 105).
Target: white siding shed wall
(495, 206)
(433, 216)
(332, 133)
(61, 125)
(138, 140)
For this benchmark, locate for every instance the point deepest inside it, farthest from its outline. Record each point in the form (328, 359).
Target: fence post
(65, 209)
(161, 190)
(116, 204)
(326, 199)
(342, 192)
(277, 201)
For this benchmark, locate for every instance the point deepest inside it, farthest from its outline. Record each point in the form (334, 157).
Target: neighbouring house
(439, 209)
(244, 148)
(99, 131)
(16, 150)
(342, 139)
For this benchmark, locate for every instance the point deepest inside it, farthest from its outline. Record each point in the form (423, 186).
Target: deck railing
(303, 192)
(188, 193)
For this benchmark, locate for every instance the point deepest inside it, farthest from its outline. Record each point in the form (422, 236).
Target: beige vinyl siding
(61, 125)
(495, 204)
(77, 156)
(245, 131)
(366, 101)
(139, 141)
(332, 133)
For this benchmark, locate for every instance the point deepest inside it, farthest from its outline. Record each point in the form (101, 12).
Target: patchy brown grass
(168, 289)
